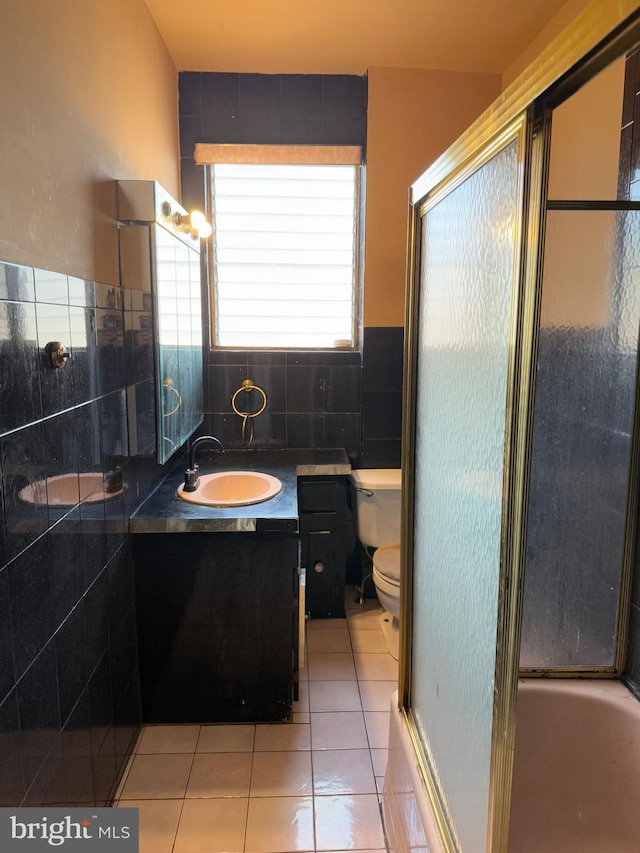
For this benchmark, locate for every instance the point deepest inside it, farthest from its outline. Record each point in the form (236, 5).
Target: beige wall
(413, 116)
(88, 94)
(560, 21)
(585, 139)
(580, 248)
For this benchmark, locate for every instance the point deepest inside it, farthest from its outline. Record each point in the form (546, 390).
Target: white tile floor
(311, 786)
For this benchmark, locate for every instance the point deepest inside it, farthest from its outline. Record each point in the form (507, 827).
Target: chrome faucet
(192, 474)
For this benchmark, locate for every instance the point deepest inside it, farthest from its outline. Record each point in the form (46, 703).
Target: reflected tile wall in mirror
(56, 385)
(20, 401)
(17, 283)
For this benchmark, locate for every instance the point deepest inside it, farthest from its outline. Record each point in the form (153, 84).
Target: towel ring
(248, 386)
(168, 386)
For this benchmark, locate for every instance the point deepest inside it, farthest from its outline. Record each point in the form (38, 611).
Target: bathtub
(410, 825)
(576, 775)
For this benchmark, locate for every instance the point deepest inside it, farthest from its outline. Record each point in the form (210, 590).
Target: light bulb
(199, 222)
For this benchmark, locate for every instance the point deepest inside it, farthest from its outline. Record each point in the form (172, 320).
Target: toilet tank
(377, 494)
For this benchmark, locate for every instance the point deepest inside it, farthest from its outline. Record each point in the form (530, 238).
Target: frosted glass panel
(585, 387)
(469, 252)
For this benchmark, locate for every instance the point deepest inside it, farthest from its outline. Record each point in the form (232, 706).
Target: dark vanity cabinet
(219, 598)
(323, 536)
(217, 619)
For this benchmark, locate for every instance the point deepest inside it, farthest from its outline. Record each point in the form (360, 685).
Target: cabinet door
(323, 556)
(216, 628)
(317, 494)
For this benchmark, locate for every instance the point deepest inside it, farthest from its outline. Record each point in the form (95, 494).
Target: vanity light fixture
(194, 223)
(199, 222)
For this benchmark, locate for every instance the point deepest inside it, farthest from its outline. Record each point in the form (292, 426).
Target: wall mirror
(159, 256)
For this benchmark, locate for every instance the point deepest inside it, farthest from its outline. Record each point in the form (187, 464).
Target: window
(284, 255)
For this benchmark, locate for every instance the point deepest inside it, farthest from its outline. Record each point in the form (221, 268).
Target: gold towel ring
(248, 386)
(168, 386)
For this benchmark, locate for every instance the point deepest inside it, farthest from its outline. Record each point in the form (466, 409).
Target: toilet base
(391, 632)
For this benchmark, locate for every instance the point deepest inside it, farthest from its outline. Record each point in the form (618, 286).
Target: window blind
(284, 255)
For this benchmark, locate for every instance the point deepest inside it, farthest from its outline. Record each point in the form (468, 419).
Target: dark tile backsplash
(316, 399)
(301, 391)
(69, 691)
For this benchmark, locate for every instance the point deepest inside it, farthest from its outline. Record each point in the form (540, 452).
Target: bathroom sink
(67, 490)
(232, 488)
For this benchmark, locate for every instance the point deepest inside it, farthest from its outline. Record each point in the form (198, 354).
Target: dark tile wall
(314, 399)
(288, 109)
(382, 398)
(580, 457)
(69, 692)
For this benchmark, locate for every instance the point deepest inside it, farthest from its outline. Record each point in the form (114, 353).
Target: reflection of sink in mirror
(67, 490)
(232, 488)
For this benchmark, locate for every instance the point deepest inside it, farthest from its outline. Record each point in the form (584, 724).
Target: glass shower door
(464, 329)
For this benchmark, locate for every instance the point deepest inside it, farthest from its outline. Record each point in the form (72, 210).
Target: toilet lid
(387, 561)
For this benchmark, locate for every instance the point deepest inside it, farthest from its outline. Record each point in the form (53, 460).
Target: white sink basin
(232, 488)
(67, 490)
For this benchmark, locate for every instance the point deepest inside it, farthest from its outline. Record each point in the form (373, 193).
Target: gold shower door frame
(509, 605)
(603, 32)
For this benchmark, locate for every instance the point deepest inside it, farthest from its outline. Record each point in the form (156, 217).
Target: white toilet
(377, 513)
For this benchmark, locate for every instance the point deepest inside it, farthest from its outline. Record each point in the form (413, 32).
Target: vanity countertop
(164, 512)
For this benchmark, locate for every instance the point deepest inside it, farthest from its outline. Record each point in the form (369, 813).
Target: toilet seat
(387, 561)
(386, 577)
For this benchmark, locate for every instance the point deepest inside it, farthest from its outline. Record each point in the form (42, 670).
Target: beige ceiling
(348, 36)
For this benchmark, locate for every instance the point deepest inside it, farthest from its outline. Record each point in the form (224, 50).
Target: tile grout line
(193, 758)
(358, 680)
(123, 781)
(313, 787)
(177, 829)
(246, 817)
(253, 751)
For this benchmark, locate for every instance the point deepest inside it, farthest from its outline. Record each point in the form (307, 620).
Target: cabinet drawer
(318, 495)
